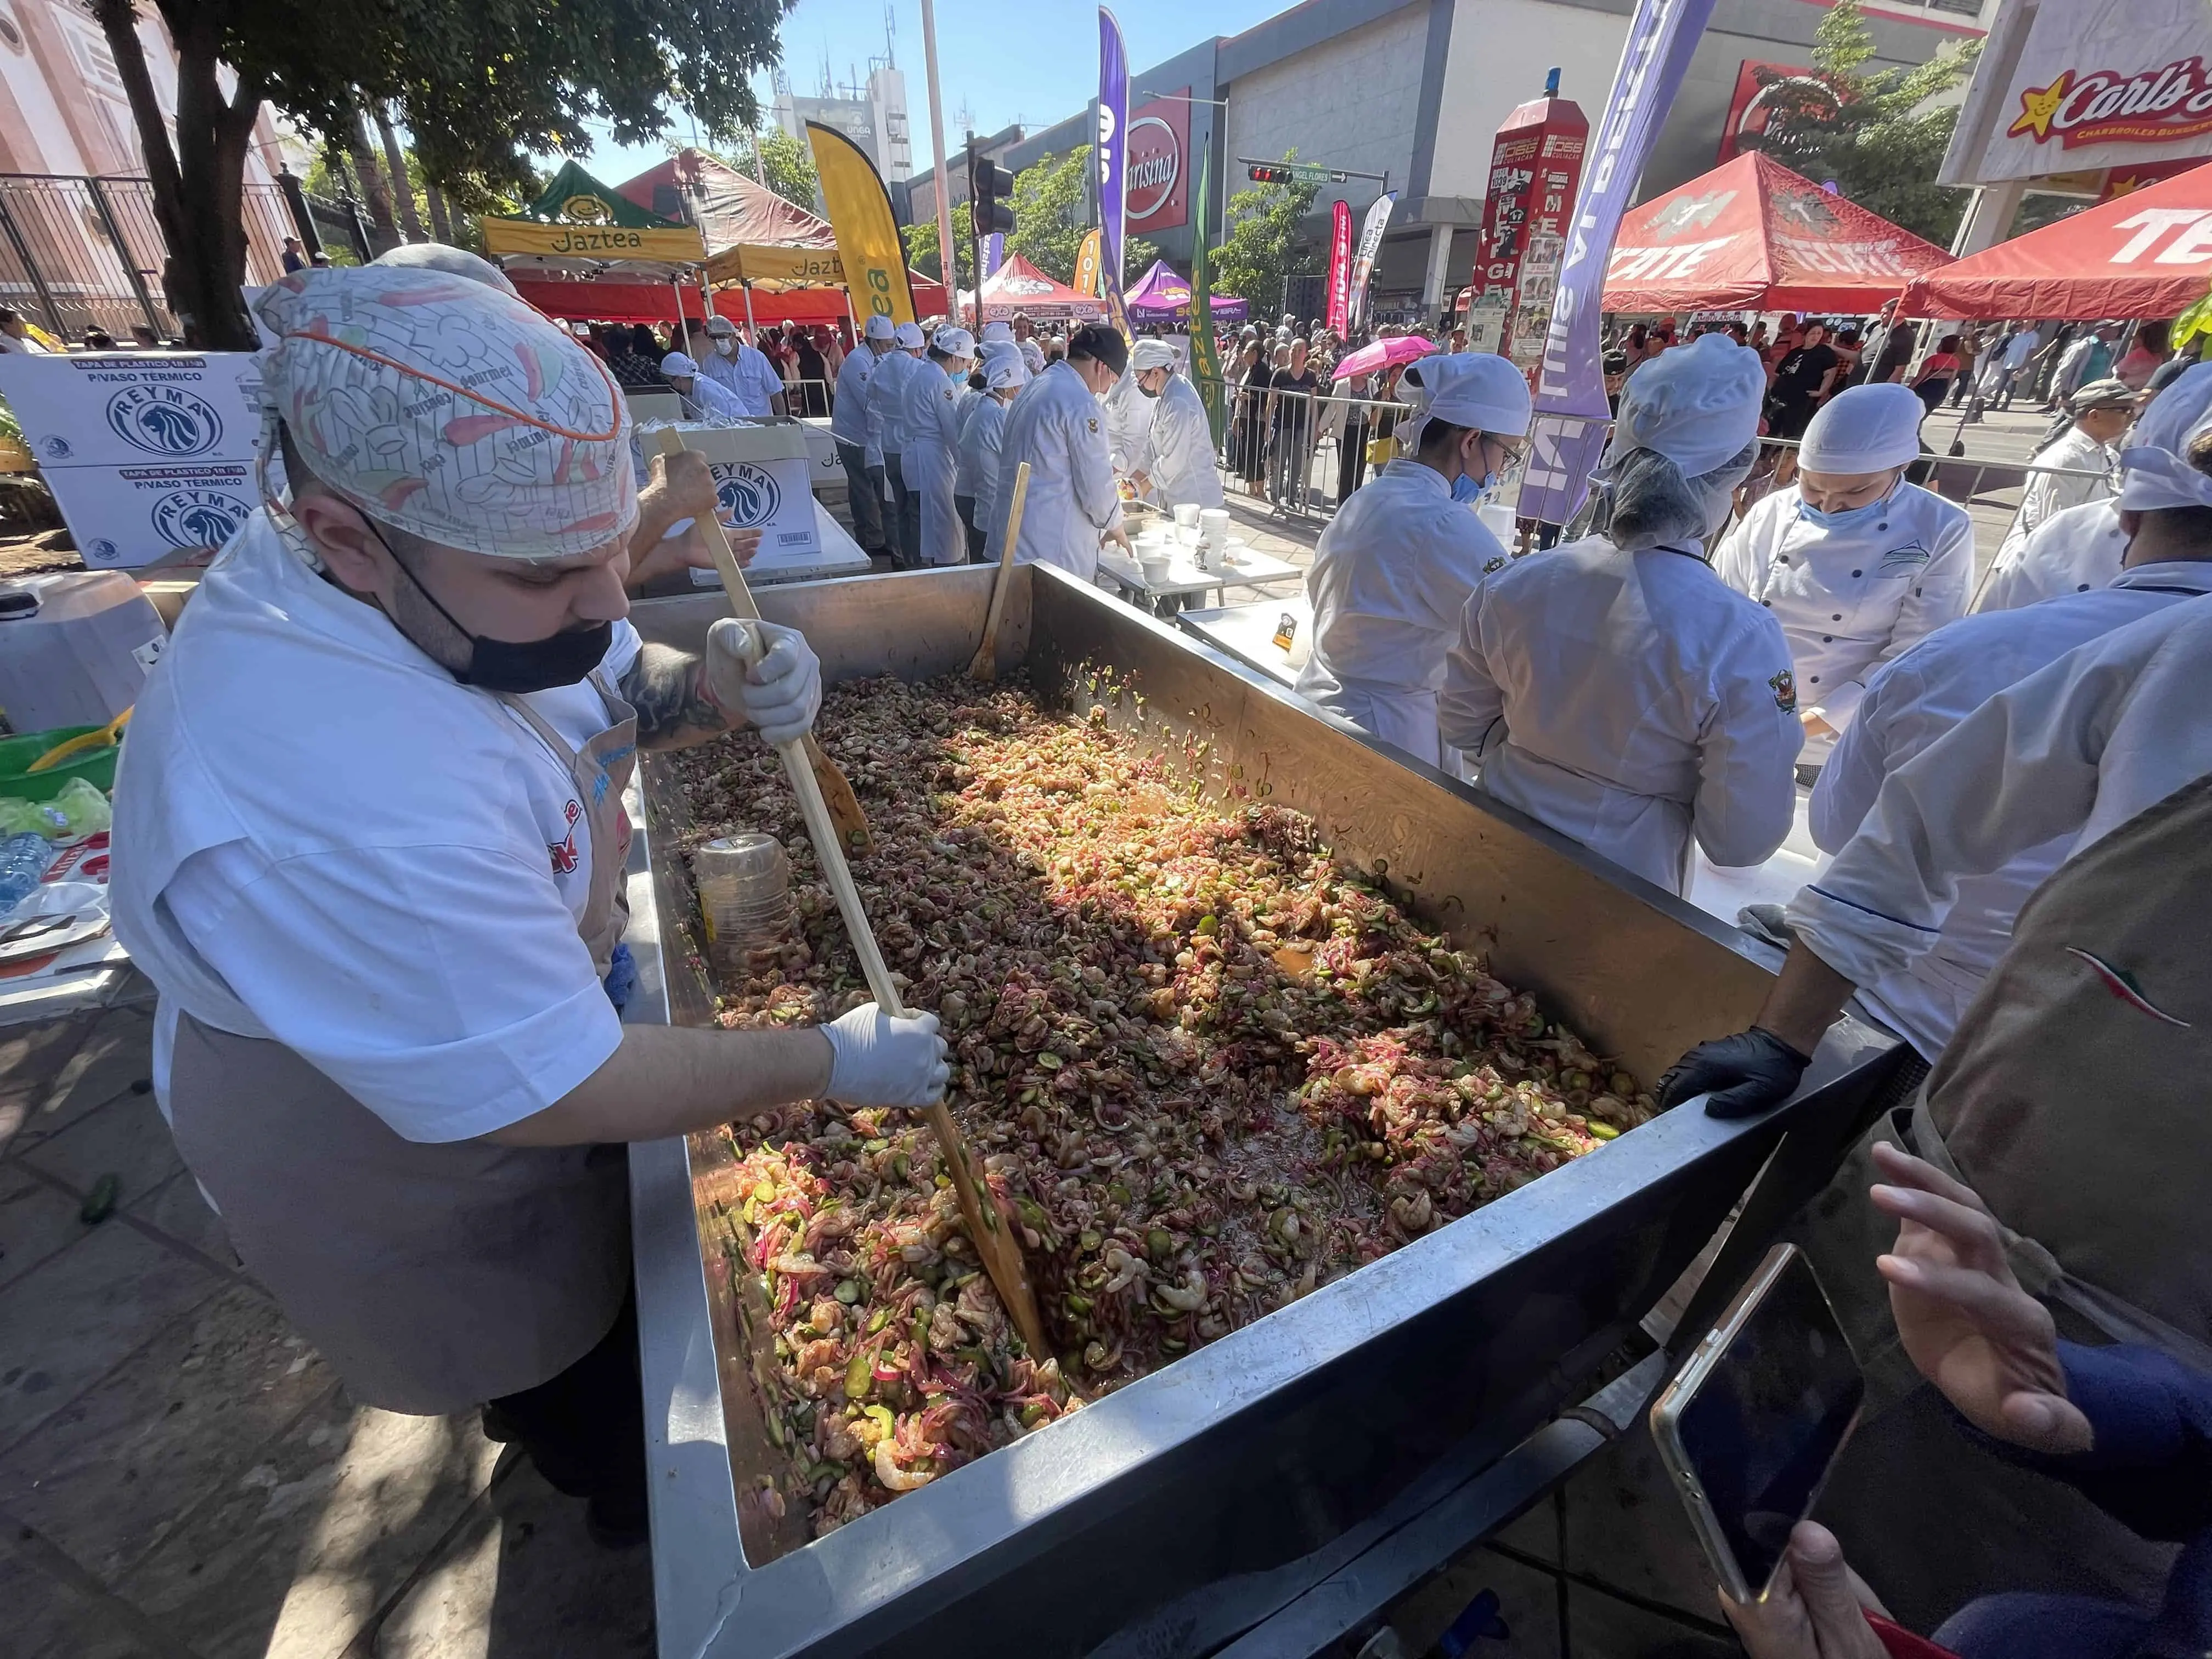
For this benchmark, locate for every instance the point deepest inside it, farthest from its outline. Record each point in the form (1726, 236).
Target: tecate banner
(1339, 269)
(1371, 244)
(1569, 430)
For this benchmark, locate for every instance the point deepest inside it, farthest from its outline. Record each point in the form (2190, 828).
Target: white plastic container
(74, 649)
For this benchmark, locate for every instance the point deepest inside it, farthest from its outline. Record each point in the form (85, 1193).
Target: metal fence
(79, 253)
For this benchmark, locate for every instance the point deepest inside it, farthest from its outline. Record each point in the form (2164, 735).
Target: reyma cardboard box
(763, 478)
(133, 408)
(126, 517)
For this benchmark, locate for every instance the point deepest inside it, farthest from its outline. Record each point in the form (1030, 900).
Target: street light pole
(946, 264)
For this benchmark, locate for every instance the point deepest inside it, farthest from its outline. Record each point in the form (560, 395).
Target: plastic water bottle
(23, 860)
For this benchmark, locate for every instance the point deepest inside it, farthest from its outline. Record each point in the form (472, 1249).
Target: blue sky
(1048, 72)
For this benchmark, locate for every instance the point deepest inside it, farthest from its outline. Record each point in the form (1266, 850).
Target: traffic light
(988, 186)
(1262, 173)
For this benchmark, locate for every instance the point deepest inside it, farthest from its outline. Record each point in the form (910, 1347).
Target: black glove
(1741, 1074)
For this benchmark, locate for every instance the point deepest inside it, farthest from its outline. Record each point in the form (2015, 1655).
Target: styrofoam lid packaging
(76, 649)
(763, 478)
(100, 409)
(129, 517)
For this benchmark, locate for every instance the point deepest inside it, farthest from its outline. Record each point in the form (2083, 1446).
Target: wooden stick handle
(985, 666)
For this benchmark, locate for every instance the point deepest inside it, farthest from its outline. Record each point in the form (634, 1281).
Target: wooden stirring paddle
(985, 666)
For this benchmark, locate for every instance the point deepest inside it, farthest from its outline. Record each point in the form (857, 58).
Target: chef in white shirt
(1394, 570)
(932, 436)
(369, 844)
(2082, 458)
(1615, 687)
(1854, 563)
(982, 433)
(1128, 420)
(1175, 464)
(1916, 700)
(858, 428)
(703, 399)
(742, 370)
(1057, 426)
(887, 403)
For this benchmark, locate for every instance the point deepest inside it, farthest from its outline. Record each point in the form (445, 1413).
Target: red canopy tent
(1017, 286)
(2148, 253)
(1752, 234)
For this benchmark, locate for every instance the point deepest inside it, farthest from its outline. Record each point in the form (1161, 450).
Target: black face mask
(562, 658)
(1150, 392)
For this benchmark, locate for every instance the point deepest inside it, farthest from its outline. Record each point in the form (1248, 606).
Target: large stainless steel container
(1190, 1504)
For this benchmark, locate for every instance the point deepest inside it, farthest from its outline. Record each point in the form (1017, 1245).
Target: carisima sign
(2112, 107)
(1157, 182)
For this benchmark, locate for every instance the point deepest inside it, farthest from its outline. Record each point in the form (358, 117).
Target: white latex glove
(878, 1061)
(781, 695)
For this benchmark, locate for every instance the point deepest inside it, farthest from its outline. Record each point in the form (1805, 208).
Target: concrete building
(1416, 88)
(873, 116)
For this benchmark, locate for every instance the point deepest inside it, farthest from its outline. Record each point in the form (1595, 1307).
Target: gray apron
(433, 1276)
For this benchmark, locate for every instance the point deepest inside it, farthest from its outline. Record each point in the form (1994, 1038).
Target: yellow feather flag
(1087, 265)
(868, 243)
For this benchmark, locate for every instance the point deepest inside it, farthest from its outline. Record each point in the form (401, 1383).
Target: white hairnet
(1864, 429)
(453, 261)
(998, 332)
(910, 336)
(1150, 353)
(879, 327)
(1003, 365)
(1697, 405)
(2155, 466)
(445, 409)
(677, 367)
(1478, 389)
(1645, 500)
(720, 326)
(954, 342)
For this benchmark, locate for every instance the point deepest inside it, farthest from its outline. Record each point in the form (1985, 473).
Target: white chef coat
(1389, 583)
(1128, 421)
(1632, 701)
(983, 433)
(1850, 600)
(933, 433)
(852, 420)
(1177, 453)
(1057, 427)
(887, 399)
(2069, 754)
(1914, 701)
(748, 376)
(2046, 494)
(708, 399)
(2072, 551)
(322, 838)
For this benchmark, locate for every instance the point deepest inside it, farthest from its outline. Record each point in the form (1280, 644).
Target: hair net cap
(2155, 471)
(447, 409)
(2107, 393)
(1150, 353)
(880, 327)
(677, 366)
(718, 326)
(910, 336)
(998, 332)
(1697, 405)
(1003, 365)
(954, 342)
(1478, 389)
(453, 261)
(1864, 429)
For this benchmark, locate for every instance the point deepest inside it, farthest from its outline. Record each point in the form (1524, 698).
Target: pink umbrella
(1383, 354)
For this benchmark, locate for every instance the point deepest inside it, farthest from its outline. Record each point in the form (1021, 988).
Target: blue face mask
(1851, 519)
(1469, 490)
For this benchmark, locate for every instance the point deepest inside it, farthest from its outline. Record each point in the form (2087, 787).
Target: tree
(787, 161)
(1264, 245)
(480, 88)
(922, 249)
(1875, 135)
(1051, 212)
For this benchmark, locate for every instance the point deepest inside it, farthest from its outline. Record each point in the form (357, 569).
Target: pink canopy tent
(1161, 296)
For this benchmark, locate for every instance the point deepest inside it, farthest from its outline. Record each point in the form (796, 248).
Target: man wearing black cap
(1059, 428)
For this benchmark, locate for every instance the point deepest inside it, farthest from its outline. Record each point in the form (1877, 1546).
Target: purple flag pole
(1569, 431)
(1113, 148)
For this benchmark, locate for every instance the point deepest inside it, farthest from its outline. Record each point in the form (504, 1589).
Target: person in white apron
(982, 434)
(1175, 464)
(1853, 561)
(887, 404)
(1056, 426)
(1395, 569)
(1614, 688)
(369, 845)
(933, 437)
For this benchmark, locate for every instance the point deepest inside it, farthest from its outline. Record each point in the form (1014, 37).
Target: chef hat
(447, 409)
(453, 261)
(953, 342)
(1697, 405)
(1864, 429)
(1150, 353)
(880, 327)
(910, 337)
(1003, 365)
(1478, 389)
(678, 367)
(1000, 332)
(2155, 470)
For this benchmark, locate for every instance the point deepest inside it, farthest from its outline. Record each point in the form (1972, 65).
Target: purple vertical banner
(1113, 154)
(994, 253)
(1569, 431)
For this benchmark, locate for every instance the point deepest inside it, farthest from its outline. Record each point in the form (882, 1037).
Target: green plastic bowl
(16, 755)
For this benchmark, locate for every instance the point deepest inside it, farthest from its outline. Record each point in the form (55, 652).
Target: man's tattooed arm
(668, 688)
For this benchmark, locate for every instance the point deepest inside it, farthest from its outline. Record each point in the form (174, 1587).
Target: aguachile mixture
(1204, 1069)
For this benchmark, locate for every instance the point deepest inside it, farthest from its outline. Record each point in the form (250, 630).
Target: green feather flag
(1205, 361)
